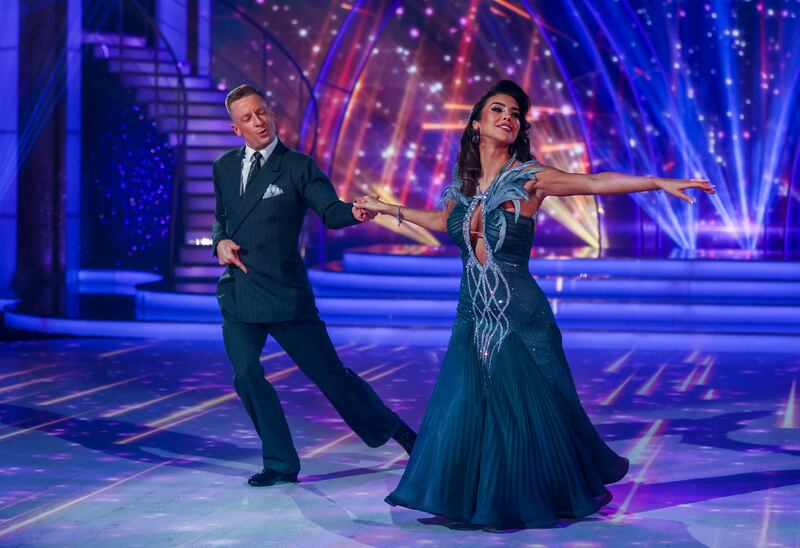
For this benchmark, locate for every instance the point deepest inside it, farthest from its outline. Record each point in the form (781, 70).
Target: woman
(505, 442)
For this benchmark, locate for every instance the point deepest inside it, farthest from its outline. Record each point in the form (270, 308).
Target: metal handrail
(182, 115)
(277, 43)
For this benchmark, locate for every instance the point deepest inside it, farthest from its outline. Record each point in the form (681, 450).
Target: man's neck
(262, 148)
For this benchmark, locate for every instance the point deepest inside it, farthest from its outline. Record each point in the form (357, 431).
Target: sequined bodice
(516, 246)
(488, 288)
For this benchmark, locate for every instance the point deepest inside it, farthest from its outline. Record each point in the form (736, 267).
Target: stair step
(133, 53)
(338, 283)
(204, 110)
(196, 236)
(148, 94)
(201, 154)
(199, 203)
(418, 260)
(199, 170)
(227, 139)
(199, 220)
(149, 67)
(576, 314)
(92, 37)
(211, 270)
(203, 185)
(215, 124)
(195, 254)
(165, 82)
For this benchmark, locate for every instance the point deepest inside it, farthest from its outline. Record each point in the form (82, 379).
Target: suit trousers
(306, 341)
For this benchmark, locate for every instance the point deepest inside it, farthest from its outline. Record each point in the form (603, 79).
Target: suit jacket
(266, 223)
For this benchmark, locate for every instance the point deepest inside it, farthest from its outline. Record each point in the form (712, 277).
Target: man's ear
(235, 129)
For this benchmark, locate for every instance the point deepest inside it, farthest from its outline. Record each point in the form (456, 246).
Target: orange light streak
(394, 460)
(195, 411)
(135, 406)
(23, 396)
(126, 350)
(647, 388)
(38, 426)
(358, 143)
(638, 450)
(611, 398)
(790, 410)
(616, 364)
(638, 480)
(38, 517)
(703, 380)
(442, 126)
(687, 383)
(385, 373)
(161, 428)
(691, 357)
(13, 387)
(372, 369)
(267, 357)
(25, 371)
(328, 446)
(513, 8)
(558, 147)
(91, 391)
(213, 402)
(440, 172)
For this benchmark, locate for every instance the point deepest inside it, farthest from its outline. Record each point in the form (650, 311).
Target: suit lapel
(255, 189)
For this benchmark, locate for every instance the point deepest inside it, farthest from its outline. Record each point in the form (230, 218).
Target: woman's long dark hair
(468, 161)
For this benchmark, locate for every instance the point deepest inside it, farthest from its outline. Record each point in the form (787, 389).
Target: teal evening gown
(505, 441)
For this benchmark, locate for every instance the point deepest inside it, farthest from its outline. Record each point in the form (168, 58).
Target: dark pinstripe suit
(275, 298)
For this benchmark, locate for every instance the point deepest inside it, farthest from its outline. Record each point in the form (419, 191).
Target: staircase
(153, 76)
(414, 291)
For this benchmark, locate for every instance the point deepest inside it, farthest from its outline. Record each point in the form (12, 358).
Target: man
(262, 191)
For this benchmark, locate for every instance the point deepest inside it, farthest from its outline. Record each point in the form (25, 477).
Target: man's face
(253, 120)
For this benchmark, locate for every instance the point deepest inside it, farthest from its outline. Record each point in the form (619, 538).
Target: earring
(476, 138)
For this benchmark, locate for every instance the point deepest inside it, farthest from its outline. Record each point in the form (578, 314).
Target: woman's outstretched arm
(554, 182)
(431, 219)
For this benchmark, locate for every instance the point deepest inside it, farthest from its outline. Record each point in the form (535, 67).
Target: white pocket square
(271, 192)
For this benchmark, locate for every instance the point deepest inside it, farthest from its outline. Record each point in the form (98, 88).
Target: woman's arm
(554, 182)
(431, 219)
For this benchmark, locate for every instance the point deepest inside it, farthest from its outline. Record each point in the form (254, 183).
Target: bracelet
(399, 216)
(653, 182)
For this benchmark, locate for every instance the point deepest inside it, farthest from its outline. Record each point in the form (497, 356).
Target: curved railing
(156, 38)
(304, 85)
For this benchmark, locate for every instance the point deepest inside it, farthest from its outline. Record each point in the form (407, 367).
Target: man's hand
(362, 214)
(228, 253)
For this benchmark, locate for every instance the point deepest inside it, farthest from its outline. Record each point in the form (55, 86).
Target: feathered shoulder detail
(510, 186)
(453, 191)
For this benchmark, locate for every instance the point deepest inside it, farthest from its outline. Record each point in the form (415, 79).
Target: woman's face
(500, 119)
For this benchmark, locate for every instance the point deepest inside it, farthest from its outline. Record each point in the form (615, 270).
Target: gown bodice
(495, 294)
(516, 247)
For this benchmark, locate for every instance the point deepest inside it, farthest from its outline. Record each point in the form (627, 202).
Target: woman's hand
(371, 203)
(677, 186)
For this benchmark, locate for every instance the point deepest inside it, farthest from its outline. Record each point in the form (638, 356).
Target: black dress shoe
(406, 437)
(268, 477)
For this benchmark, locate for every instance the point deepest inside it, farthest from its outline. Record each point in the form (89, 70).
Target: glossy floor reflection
(138, 442)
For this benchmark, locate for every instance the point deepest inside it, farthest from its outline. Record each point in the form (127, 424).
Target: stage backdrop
(676, 89)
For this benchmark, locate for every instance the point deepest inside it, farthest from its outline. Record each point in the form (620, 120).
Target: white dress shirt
(248, 159)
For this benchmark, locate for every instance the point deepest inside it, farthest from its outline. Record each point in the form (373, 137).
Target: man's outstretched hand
(228, 253)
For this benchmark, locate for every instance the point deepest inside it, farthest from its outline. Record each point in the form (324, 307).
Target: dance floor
(131, 442)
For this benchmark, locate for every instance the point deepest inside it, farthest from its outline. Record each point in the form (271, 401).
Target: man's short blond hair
(240, 92)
